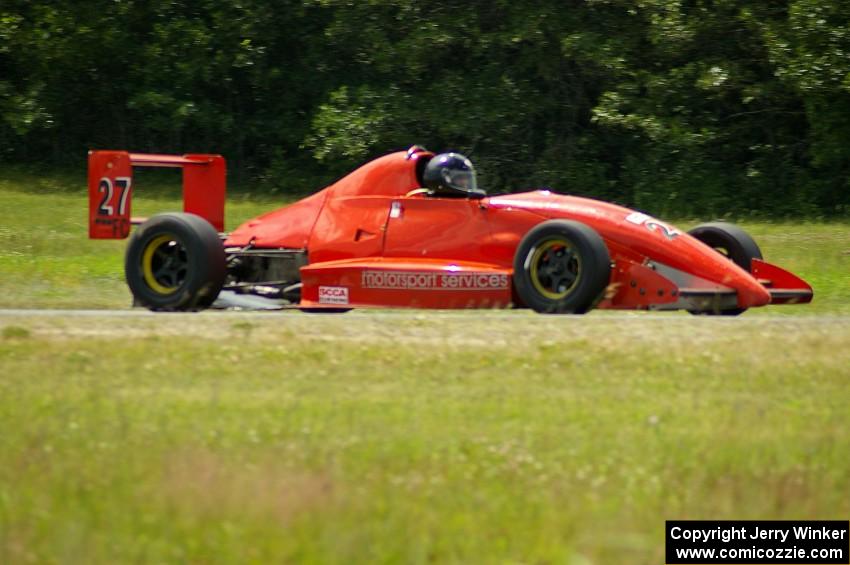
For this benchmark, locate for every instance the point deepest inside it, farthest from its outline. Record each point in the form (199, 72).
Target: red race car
(413, 229)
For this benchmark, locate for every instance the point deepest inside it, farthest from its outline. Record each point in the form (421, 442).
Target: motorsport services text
(766, 541)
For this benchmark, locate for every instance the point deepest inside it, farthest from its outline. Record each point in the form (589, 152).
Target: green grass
(216, 438)
(470, 437)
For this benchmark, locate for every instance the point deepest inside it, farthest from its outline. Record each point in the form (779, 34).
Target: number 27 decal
(107, 189)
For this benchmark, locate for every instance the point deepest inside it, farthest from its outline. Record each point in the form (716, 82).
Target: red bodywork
(365, 235)
(372, 241)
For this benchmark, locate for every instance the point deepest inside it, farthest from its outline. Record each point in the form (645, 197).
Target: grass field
(386, 437)
(375, 438)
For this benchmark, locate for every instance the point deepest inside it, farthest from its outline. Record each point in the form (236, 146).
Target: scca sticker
(333, 295)
(652, 224)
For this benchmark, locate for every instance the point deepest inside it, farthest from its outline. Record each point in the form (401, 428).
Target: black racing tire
(728, 240)
(175, 262)
(733, 243)
(561, 267)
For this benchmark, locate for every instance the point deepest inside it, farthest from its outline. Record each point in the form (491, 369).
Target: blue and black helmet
(451, 174)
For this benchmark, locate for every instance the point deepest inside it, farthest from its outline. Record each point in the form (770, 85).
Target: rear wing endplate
(111, 188)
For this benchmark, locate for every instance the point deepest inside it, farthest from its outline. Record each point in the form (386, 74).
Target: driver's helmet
(451, 174)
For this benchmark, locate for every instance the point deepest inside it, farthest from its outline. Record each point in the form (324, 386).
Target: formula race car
(413, 229)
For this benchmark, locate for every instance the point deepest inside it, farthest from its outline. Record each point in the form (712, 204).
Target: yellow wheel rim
(554, 268)
(161, 264)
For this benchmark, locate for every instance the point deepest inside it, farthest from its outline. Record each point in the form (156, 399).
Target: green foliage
(685, 107)
(348, 126)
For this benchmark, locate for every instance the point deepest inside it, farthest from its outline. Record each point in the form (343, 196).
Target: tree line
(688, 107)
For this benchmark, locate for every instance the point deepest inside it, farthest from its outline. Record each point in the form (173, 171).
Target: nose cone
(693, 256)
(754, 295)
(750, 292)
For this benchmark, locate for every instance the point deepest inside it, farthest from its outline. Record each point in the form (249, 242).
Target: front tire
(175, 262)
(733, 243)
(561, 267)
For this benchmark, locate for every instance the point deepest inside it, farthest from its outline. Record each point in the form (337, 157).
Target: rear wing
(111, 188)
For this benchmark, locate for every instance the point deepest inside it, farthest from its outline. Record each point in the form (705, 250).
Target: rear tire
(733, 243)
(561, 267)
(175, 262)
